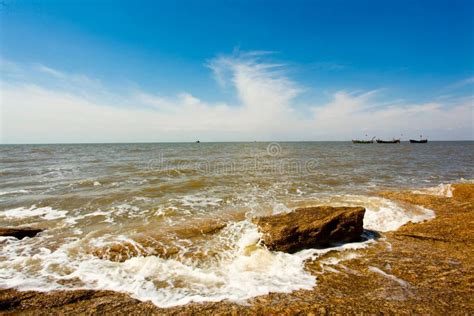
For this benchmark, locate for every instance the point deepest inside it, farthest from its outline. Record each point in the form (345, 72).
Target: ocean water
(171, 223)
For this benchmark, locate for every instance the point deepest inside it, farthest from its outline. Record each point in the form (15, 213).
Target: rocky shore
(420, 268)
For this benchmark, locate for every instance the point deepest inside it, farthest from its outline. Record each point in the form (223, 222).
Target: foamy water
(171, 223)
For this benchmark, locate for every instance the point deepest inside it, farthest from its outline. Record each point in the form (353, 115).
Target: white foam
(381, 214)
(445, 190)
(281, 208)
(194, 201)
(389, 276)
(72, 220)
(126, 209)
(238, 269)
(389, 216)
(311, 254)
(46, 212)
(243, 271)
(13, 192)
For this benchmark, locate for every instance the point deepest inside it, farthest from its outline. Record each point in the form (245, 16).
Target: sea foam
(46, 212)
(235, 266)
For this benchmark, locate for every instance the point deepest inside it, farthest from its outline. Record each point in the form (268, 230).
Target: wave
(381, 214)
(229, 265)
(47, 213)
(13, 192)
(444, 190)
(242, 270)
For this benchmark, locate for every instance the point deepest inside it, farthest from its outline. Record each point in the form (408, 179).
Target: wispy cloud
(461, 83)
(81, 109)
(50, 71)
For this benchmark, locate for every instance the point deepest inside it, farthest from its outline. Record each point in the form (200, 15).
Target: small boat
(357, 141)
(197, 142)
(421, 141)
(394, 141)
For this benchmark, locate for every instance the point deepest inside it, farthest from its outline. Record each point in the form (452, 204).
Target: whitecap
(46, 212)
(242, 271)
(381, 214)
(194, 201)
(13, 192)
(445, 190)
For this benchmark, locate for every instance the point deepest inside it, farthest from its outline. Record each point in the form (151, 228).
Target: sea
(172, 222)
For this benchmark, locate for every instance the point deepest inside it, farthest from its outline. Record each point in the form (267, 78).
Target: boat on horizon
(357, 141)
(393, 141)
(421, 141)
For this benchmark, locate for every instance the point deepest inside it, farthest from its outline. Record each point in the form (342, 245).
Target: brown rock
(312, 227)
(445, 288)
(158, 245)
(463, 191)
(120, 252)
(19, 233)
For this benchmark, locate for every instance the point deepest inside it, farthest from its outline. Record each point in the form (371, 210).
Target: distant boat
(357, 141)
(421, 141)
(197, 142)
(394, 141)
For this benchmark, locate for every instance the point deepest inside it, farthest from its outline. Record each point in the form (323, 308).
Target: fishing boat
(357, 141)
(393, 141)
(421, 141)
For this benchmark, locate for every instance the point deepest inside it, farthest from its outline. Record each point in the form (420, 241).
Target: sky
(171, 71)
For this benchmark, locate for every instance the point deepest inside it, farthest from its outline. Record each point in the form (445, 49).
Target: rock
(443, 288)
(122, 251)
(312, 227)
(463, 191)
(19, 233)
(83, 302)
(159, 244)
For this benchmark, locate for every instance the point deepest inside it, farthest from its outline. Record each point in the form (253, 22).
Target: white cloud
(50, 71)
(461, 83)
(78, 110)
(346, 116)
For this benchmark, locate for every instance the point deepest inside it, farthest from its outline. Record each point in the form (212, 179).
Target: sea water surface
(171, 222)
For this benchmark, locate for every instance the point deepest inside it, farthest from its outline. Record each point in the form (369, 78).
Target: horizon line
(211, 142)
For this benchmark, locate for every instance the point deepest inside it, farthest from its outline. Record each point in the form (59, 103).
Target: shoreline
(419, 268)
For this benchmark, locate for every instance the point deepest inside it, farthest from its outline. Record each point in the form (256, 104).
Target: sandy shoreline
(420, 268)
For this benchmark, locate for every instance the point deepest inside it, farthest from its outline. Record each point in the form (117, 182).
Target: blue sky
(392, 55)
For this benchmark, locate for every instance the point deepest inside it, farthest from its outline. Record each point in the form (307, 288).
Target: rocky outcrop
(312, 227)
(437, 276)
(83, 302)
(122, 251)
(463, 192)
(19, 233)
(159, 244)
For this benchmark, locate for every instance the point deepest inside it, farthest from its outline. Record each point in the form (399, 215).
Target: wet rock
(19, 233)
(120, 252)
(312, 227)
(440, 274)
(160, 245)
(84, 302)
(463, 192)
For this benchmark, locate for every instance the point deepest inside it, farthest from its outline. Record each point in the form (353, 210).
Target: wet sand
(420, 268)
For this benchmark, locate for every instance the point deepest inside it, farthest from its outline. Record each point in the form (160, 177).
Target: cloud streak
(76, 108)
